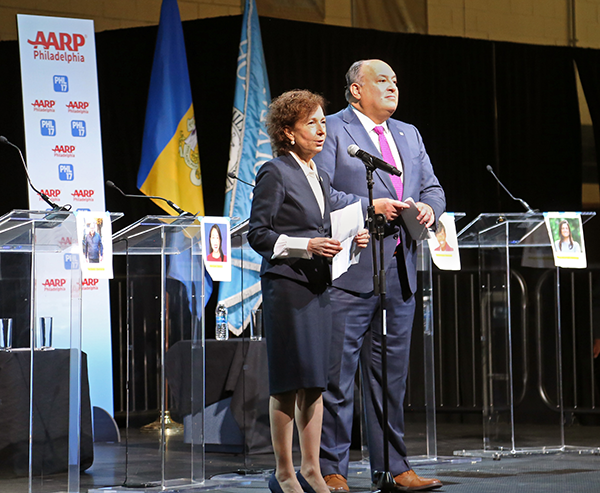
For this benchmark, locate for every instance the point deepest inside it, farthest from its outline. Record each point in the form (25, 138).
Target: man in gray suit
(373, 96)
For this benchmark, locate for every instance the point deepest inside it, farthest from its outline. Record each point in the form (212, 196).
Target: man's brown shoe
(412, 482)
(336, 482)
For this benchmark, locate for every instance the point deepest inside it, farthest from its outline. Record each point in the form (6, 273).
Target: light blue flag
(250, 148)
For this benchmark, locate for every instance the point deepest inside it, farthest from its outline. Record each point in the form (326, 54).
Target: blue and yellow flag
(250, 148)
(170, 166)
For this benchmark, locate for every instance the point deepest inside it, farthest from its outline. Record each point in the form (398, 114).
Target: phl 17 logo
(78, 128)
(66, 172)
(71, 261)
(61, 83)
(48, 128)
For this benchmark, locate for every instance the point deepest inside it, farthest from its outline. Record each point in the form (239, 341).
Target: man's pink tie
(388, 157)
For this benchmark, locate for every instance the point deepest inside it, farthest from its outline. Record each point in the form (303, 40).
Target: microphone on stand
(231, 174)
(45, 198)
(173, 206)
(373, 161)
(523, 203)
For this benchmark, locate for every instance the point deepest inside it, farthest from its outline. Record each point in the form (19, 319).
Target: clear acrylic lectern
(46, 436)
(494, 235)
(159, 250)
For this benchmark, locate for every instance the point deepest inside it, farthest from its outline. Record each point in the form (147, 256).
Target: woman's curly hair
(285, 110)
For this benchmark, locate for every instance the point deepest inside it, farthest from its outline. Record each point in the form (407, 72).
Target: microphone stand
(385, 480)
(55, 208)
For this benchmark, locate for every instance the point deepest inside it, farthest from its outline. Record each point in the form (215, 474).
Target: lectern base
(498, 453)
(171, 428)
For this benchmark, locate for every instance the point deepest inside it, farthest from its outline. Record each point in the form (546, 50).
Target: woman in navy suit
(290, 227)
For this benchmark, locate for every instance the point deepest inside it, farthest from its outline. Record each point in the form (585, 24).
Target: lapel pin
(401, 133)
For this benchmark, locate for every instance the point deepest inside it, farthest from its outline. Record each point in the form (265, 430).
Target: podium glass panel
(424, 267)
(46, 417)
(162, 253)
(494, 236)
(425, 335)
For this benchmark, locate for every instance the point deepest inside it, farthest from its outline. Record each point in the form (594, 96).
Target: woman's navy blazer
(284, 203)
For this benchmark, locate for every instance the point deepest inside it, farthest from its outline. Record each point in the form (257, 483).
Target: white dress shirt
(369, 127)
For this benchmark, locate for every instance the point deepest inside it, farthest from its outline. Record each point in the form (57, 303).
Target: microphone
(173, 206)
(373, 161)
(523, 203)
(231, 174)
(45, 198)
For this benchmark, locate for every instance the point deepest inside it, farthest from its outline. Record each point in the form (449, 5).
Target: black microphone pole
(45, 198)
(521, 201)
(234, 176)
(385, 480)
(173, 206)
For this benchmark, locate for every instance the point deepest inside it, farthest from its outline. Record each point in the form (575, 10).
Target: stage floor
(234, 473)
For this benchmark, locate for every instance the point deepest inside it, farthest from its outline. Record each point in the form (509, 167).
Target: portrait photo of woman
(440, 236)
(566, 243)
(215, 245)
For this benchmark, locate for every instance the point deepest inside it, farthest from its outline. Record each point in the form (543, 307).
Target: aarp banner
(64, 156)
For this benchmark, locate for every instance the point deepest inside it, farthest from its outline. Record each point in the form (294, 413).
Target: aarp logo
(54, 284)
(83, 195)
(78, 107)
(65, 242)
(46, 105)
(63, 151)
(90, 284)
(52, 193)
(60, 41)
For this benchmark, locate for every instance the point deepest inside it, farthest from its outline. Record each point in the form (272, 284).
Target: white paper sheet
(345, 224)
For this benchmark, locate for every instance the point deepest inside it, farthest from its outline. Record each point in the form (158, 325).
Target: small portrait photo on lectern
(94, 232)
(440, 236)
(566, 235)
(92, 245)
(216, 247)
(566, 238)
(443, 243)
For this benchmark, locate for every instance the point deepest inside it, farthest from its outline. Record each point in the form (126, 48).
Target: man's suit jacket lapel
(358, 133)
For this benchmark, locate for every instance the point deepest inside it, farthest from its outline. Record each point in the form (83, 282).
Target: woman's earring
(293, 142)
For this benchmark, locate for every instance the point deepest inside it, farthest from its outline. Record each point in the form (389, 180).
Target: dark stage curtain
(588, 66)
(14, 184)
(539, 129)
